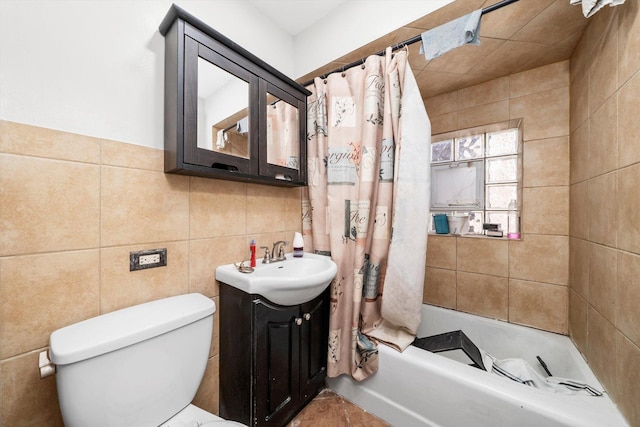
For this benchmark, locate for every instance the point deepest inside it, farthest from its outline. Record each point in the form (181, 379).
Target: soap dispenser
(298, 245)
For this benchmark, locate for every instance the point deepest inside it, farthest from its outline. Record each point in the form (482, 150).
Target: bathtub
(419, 388)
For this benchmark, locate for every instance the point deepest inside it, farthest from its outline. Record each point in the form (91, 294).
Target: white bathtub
(419, 388)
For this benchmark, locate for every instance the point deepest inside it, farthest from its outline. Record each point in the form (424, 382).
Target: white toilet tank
(133, 367)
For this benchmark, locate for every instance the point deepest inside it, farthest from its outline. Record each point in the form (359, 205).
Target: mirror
(223, 113)
(283, 136)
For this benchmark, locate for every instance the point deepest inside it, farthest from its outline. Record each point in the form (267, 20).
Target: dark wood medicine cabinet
(228, 114)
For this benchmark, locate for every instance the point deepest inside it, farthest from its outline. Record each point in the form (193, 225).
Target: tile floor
(329, 409)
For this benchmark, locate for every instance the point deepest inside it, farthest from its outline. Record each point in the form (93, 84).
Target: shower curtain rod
(412, 40)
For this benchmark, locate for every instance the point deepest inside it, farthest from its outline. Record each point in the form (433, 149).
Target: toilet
(139, 366)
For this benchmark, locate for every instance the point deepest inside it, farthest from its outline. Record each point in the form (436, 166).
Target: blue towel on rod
(453, 34)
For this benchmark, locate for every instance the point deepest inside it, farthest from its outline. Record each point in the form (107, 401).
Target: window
(477, 172)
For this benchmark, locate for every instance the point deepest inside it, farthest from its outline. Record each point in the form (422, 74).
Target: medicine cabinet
(228, 114)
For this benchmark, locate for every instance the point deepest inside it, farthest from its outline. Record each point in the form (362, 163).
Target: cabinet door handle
(298, 321)
(307, 316)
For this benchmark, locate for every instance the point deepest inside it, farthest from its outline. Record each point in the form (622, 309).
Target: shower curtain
(367, 205)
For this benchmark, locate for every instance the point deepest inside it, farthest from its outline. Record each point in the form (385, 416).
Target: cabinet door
(284, 122)
(277, 363)
(219, 125)
(313, 345)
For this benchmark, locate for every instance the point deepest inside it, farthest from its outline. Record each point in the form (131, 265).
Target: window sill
(473, 236)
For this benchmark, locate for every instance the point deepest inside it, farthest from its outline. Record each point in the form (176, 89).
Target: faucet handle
(267, 255)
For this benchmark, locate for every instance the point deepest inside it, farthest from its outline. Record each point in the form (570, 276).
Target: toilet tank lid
(118, 329)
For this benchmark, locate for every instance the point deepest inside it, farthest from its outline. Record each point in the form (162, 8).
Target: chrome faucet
(276, 254)
(278, 250)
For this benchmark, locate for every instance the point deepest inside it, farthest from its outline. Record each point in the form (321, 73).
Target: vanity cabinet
(273, 358)
(228, 114)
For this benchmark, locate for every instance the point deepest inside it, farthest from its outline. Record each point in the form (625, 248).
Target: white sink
(289, 282)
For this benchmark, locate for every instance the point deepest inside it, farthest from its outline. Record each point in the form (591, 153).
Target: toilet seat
(192, 416)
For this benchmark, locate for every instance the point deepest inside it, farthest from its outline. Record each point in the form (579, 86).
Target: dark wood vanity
(273, 358)
(228, 114)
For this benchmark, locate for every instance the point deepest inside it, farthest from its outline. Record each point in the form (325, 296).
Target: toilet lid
(192, 416)
(222, 423)
(215, 423)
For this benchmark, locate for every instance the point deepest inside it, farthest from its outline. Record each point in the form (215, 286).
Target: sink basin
(289, 282)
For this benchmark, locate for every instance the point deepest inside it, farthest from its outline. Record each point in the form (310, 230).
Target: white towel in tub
(446, 37)
(521, 371)
(590, 7)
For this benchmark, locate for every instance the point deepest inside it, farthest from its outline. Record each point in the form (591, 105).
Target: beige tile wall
(71, 209)
(524, 281)
(604, 318)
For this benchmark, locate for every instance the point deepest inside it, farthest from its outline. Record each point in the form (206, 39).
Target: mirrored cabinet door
(223, 111)
(282, 152)
(218, 130)
(283, 148)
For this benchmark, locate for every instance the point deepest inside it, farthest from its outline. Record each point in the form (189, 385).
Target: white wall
(95, 67)
(352, 25)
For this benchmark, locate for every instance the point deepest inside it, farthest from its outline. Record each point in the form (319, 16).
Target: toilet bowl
(139, 366)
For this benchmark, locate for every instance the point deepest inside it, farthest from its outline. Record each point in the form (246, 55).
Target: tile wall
(525, 281)
(71, 209)
(604, 315)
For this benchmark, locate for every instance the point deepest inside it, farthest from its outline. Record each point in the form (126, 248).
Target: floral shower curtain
(367, 205)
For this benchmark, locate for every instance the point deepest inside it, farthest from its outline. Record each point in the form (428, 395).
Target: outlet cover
(150, 258)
